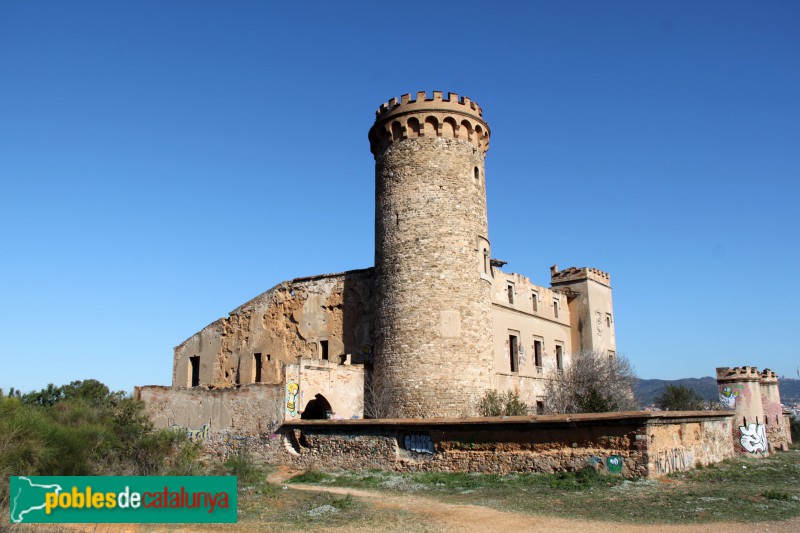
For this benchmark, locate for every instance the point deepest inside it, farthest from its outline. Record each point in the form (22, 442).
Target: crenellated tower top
(453, 117)
(739, 373)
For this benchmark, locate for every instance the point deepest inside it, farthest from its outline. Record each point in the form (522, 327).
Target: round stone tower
(433, 323)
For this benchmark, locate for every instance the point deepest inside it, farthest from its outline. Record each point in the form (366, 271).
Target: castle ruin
(424, 334)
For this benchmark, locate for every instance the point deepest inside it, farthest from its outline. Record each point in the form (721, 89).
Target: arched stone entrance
(317, 409)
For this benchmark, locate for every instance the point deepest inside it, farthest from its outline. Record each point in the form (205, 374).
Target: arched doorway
(317, 409)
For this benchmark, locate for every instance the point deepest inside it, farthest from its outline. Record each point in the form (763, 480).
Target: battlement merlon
(572, 274)
(769, 376)
(461, 104)
(455, 117)
(740, 373)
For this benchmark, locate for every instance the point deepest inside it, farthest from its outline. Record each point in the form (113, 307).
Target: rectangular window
(323, 349)
(537, 353)
(257, 365)
(555, 308)
(608, 319)
(539, 407)
(513, 348)
(510, 289)
(559, 357)
(611, 356)
(195, 370)
(535, 300)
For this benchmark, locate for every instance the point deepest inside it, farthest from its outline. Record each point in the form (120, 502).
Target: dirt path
(440, 516)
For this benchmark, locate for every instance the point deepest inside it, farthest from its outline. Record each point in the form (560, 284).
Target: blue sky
(163, 162)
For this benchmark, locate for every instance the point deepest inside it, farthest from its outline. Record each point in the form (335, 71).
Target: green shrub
(508, 403)
(82, 429)
(776, 495)
(242, 466)
(585, 478)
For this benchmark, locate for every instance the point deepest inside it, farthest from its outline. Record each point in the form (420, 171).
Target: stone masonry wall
(433, 309)
(283, 324)
(631, 444)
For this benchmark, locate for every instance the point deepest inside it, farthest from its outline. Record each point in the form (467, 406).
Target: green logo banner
(122, 499)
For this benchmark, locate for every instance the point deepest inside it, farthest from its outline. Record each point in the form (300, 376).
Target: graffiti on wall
(614, 464)
(418, 443)
(753, 438)
(674, 460)
(200, 433)
(728, 396)
(292, 388)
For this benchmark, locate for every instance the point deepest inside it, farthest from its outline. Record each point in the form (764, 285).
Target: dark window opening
(559, 357)
(555, 308)
(317, 409)
(257, 363)
(535, 298)
(323, 348)
(195, 362)
(539, 407)
(608, 319)
(485, 261)
(537, 353)
(513, 345)
(511, 293)
(477, 173)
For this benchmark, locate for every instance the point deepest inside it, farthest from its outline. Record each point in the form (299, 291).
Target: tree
(679, 398)
(592, 383)
(376, 398)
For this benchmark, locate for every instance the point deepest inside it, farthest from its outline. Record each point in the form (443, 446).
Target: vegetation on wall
(508, 403)
(592, 383)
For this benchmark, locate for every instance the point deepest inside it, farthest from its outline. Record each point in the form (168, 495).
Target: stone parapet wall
(631, 444)
(249, 410)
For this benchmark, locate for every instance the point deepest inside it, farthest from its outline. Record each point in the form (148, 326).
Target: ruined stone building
(435, 323)
(382, 367)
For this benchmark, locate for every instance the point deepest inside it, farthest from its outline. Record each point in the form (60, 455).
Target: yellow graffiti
(292, 389)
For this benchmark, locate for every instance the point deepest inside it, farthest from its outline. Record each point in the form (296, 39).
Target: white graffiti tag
(754, 438)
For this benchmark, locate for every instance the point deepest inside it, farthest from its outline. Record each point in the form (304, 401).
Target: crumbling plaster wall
(342, 386)
(283, 324)
(247, 410)
(677, 447)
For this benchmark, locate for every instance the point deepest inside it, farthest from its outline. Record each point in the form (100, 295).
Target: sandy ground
(439, 516)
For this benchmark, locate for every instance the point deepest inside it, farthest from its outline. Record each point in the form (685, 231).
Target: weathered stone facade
(433, 323)
(295, 319)
(631, 444)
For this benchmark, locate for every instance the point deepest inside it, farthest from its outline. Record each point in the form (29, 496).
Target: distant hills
(648, 389)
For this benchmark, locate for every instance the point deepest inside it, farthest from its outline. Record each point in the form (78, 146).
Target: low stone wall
(639, 444)
(249, 410)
